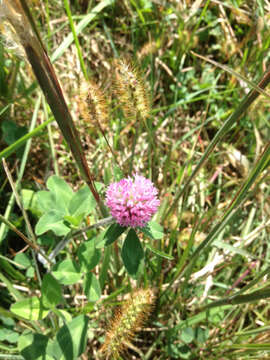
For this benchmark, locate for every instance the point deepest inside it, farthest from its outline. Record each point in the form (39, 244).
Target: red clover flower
(132, 202)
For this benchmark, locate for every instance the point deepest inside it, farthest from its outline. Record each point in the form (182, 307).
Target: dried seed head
(131, 90)
(148, 48)
(127, 321)
(93, 106)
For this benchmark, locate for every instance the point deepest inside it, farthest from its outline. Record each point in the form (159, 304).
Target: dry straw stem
(131, 90)
(127, 321)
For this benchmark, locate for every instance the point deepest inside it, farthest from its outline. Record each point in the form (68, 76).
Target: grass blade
(242, 108)
(79, 28)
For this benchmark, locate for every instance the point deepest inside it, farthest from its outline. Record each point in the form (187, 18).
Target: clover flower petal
(132, 202)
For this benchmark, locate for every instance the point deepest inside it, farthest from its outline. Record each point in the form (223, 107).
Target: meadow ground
(175, 91)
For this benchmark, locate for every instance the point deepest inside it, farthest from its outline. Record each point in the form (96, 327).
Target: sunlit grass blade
(72, 26)
(230, 212)
(233, 207)
(240, 299)
(241, 109)
(234, 73)
(9, 150)
(81, 25)
(22, 168)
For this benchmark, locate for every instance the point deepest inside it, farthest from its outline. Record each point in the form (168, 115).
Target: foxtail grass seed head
(132, 202)
(128, 320)
(131, 90)
(149, 48)
(93, 106)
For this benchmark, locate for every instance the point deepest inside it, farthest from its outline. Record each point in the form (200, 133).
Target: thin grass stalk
(18, 14)
(242, 108)
(25, 216)
(14, 292)
(254, 281)
(63, 243)
(76, 40)
(233, 206)
(230, 212)
(23, 237)
(239, 299)
(9, 150)
(19, 203)
(22, 168)
(50, 136)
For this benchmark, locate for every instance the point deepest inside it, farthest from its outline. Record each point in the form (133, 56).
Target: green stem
(21, 171)
(76, 40)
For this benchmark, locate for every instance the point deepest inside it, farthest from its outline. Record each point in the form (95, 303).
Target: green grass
(205, 145)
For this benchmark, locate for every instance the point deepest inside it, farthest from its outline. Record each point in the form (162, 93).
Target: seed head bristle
(131, 90)
(148, 48)
(93, 106)
(127, 321)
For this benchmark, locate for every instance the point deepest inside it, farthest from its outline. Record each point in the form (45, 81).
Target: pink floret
(132, 202)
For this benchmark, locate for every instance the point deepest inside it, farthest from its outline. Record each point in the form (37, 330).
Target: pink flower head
(132, 202)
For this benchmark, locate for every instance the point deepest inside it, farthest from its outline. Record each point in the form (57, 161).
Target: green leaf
(159, 253)
(132, 253)
(30, 272)
(88, 255)
(66, 272)
(73, 221)
(201, 334)
(9, 323)
(51, 291)
(52, 220)
(113, 233)
(8, 335)
(61, 191)
(82, 202)
(12, 132)
(29, 200)
(32, 346)
(23, 260)
(187, 335)
(45, 201)
(117, 173)
(91, 287)
(30, 309)
(184, 352)
(70, 341)
(153, 230)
